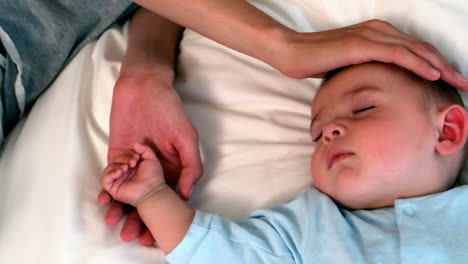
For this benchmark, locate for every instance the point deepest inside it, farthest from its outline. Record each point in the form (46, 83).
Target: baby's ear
(453, 129)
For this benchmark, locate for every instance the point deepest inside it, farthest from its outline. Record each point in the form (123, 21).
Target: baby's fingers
(130, 157)
(112, 173)
(144, 151)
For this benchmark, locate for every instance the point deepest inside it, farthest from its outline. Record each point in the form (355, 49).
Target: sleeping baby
(389, 147)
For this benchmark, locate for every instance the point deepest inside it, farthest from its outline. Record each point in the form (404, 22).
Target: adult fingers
(384, 27)
(115, 213)
(104, 198)
(190, 159)
(132, 227)
(422, 60)
(456, 79)
(385, 32)
(449, 72)
(419, 48)
(359, 46)
(362, 50)
(145, 238)
(424, 50)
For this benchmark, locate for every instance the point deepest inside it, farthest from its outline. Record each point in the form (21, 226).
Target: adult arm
(146, 109)
(240, 26)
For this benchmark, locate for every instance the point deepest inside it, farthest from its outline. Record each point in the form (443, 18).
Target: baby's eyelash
(363, 109)
(318, 137)
(359, 110)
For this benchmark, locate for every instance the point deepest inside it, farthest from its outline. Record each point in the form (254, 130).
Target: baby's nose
(333, 131)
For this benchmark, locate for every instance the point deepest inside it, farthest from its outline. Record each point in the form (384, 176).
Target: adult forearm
(233, 23)
(152, 45)
(166, 216)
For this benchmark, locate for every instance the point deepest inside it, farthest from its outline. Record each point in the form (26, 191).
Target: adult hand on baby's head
(314, 54)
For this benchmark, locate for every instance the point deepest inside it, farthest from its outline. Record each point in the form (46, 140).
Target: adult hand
(147, 110)
(313, 54)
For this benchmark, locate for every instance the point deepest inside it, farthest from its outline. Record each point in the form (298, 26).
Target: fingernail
(190, 192)
(460, 77)
(435, 73)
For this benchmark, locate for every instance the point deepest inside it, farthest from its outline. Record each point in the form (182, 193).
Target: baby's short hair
(441, 93)
(438, 92)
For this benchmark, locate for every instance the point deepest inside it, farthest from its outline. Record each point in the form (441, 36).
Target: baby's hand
(133, 175)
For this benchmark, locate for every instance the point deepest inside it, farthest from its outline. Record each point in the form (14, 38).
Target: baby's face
(375, 140)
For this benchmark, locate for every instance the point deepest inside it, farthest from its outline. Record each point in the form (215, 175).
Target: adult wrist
(281, 51)
(149, 67)
(140, 76)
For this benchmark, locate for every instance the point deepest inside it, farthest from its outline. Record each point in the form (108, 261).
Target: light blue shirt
(311, 228)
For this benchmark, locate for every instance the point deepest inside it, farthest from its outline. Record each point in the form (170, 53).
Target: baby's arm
(279, 235)
(166, 216)
(136, 178)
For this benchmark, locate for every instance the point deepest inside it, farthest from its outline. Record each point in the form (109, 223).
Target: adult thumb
(192, 169)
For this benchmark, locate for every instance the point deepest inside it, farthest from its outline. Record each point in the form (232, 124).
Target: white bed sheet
(253, 126)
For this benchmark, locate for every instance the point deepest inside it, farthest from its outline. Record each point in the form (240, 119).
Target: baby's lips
(335, 153)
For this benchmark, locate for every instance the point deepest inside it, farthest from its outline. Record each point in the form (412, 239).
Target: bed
(252, 121)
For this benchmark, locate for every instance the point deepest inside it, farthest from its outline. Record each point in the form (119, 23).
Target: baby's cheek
(388, 152)
(318, 171)
(314, 167)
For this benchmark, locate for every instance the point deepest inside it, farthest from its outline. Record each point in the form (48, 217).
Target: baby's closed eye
(363, 109)
(317, 138)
